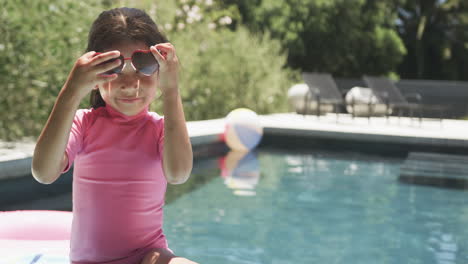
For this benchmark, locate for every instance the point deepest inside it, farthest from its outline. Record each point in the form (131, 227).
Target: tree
(344, 37)
(435, 33)
(351, 37)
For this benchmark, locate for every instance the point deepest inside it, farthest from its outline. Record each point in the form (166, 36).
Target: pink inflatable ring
(34, 234)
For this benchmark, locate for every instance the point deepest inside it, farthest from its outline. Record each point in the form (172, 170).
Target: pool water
(277, 206)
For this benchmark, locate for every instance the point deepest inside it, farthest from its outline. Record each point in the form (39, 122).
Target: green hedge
(221, 69)
(40, 42)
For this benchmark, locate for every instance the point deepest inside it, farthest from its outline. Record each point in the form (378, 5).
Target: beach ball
(243, 129)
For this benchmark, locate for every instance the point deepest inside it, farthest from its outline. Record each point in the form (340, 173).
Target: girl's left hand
(168, 66)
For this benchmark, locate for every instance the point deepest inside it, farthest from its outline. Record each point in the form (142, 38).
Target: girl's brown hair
(121, 25)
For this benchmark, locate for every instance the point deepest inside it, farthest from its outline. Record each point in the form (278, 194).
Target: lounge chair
(388, 93)
(325, 92)
(323, 89)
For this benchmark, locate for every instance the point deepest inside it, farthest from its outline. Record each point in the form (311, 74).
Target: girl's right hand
(88, 71)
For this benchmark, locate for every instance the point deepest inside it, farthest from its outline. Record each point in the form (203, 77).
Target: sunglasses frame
(121, 57)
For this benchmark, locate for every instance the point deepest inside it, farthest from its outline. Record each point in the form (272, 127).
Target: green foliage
(221, 69)
(40, 42)
(346, 38)
(409, 38)
(215, 12)
(435, 33)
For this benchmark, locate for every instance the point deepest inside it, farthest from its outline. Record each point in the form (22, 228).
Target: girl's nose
(128, 77)
(129, 81)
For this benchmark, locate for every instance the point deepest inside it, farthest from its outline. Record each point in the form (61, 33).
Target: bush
(221, 69)
(40, 42)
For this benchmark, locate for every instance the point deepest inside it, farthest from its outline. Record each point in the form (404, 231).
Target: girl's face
(131, 92)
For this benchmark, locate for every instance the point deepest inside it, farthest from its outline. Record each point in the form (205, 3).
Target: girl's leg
(164, 256)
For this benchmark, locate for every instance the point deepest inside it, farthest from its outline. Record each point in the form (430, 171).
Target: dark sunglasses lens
(145, 63)
(117, 69)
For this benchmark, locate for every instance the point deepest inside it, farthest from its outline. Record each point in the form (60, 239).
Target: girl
(124, 155)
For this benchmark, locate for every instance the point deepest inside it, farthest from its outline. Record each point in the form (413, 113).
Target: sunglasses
(142, 61)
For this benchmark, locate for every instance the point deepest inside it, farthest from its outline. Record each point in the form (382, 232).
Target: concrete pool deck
(15, 158)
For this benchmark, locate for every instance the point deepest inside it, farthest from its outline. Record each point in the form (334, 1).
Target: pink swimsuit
(118, 186)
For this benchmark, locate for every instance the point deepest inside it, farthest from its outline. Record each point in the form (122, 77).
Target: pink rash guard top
(118, 185)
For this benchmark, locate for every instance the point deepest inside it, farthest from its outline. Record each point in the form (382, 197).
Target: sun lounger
(388, 93)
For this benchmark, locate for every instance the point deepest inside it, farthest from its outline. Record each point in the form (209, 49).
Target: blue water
(317, 207)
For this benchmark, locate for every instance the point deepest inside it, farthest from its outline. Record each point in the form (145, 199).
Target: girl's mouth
(129, 100)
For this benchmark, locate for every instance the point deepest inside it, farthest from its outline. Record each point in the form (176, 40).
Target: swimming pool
(280, 206)
(300, 206)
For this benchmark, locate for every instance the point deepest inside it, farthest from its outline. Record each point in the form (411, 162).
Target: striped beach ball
(243, 130)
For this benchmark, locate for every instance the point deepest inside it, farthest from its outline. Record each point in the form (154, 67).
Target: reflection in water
(240, 171)
(443, 246)
(436, 170)
(440, 182)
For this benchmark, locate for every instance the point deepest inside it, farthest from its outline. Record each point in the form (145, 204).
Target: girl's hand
(168, 66)
(87, 73)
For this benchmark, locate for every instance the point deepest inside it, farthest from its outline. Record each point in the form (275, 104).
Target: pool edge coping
(207, 132)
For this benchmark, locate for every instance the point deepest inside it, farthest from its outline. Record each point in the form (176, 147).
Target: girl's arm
(177, 154)
(49, 158)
